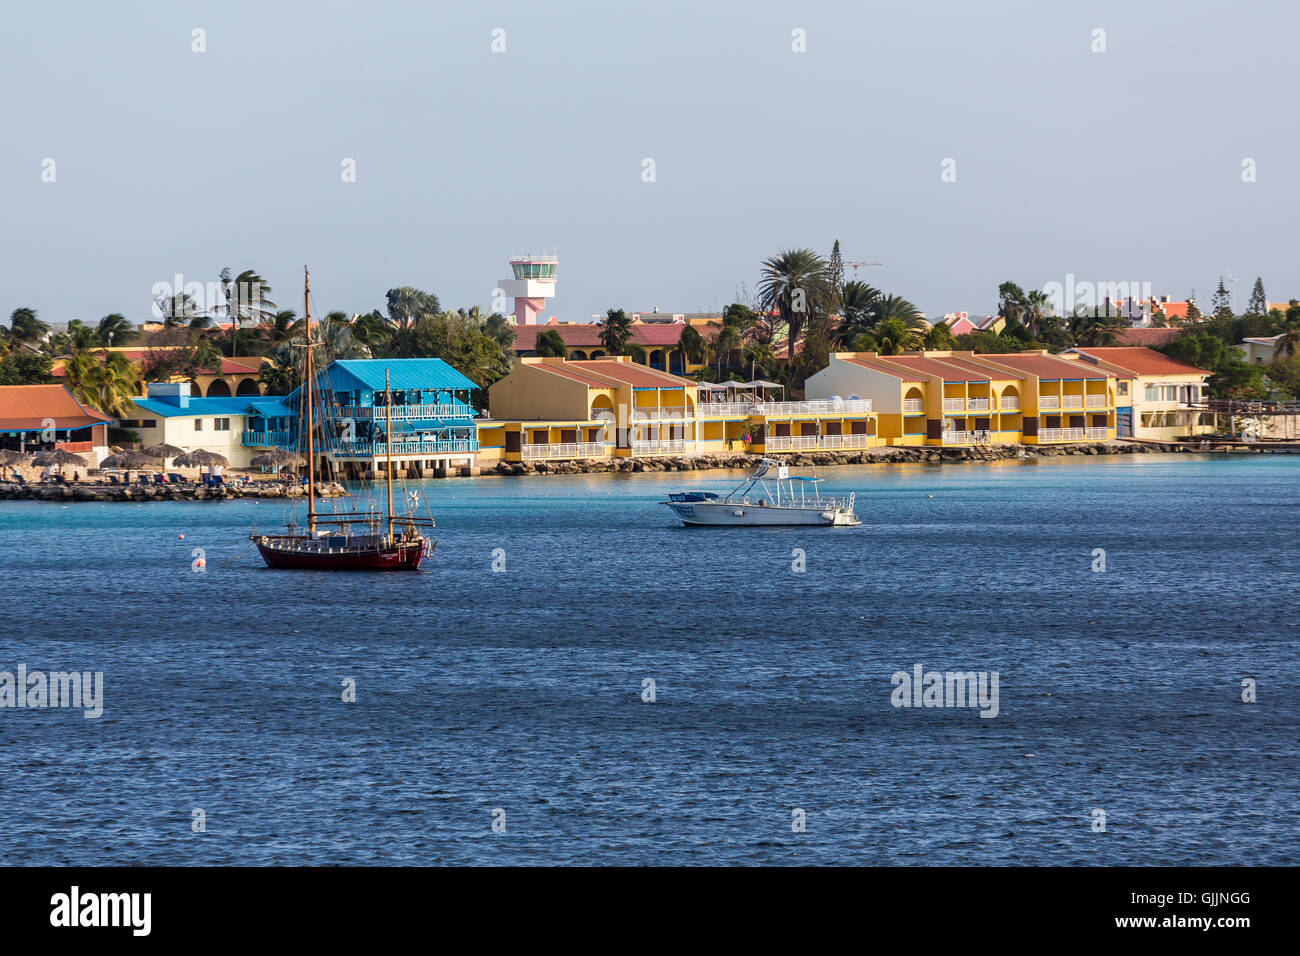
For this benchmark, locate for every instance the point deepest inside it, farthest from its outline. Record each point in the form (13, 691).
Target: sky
(1119, 164)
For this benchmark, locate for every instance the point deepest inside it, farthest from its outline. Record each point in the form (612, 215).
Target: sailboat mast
(388, 447)
(311, 422)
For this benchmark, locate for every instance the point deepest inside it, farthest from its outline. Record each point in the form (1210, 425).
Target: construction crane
(861, 263)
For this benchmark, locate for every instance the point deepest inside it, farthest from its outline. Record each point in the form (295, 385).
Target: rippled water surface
(522, 690)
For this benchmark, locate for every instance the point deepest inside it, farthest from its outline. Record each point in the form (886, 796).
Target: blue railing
(266, 439)
(438, 446)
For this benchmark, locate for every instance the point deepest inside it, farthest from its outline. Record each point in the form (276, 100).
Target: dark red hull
(400, 557)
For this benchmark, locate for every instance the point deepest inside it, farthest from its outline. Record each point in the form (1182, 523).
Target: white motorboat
(766, 497)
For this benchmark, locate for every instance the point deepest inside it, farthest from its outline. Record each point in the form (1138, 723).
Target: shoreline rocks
(865, 456)
(84, 491)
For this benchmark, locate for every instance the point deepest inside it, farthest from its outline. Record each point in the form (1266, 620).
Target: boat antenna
(311, 424)
(388, 448)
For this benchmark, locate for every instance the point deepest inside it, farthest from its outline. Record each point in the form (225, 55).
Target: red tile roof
(567, 370)
(586, 335)
(26, 407)
(1141, 361)
(1149, 337)
(638, 376)
(1044, 366)
(939, 367)
(898, 372)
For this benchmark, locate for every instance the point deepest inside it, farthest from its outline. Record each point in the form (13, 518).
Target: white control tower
(532, 285)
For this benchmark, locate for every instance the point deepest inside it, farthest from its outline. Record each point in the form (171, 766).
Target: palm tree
(1091, 329)
(551, 344)
(792, 283)
(1011, 301)
(894, 336)
(1035, 306)
(407, 304)
(177, 310)
(692, 344)
(759, 355)
(940, 337)
(370, 329)
(615, 331)
(114, 329)
(248, 299)
(81, 337)
(726, 345)
(855, 305)
(285, 325)
(107, 385)
(25, 327)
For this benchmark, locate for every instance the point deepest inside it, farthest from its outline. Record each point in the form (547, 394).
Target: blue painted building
(432, 419)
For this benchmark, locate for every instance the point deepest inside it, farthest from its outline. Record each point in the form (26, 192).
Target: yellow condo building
(555, 408)
(961, 398)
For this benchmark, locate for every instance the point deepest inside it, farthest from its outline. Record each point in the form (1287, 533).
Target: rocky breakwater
(866, 456)
(83, 491)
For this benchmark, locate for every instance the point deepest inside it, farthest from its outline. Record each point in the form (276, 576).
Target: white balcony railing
(958, 438)
(977, 404)
(954, 404)
(580, 449)
(675, 413)
(1096, 401)
(668, 447)
(1049, 401)
(820, 406)
(913, 405)
(1072, 401)
(1011, 404)
(1098, 434)
(816, 442)
(719, 409)
(1061, 434)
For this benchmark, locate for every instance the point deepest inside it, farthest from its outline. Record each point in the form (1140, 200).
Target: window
(221, 424)
(1123, 388)
(198, 424)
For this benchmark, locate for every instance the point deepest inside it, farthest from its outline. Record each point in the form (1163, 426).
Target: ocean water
(516, 694)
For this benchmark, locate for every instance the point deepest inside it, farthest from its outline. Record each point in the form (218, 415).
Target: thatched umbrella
(163, 451)
(202, 459)
(276, 458)
(10, 457)
(58, 458)
(129, 460)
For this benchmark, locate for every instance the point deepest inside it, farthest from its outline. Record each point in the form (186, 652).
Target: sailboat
(359, 540)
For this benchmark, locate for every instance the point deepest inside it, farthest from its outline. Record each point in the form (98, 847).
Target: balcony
(415, 447)
(1061, 434)
(1098, 434)
(816, 406)
(581, 449)
(671, 447)
(817, 442)
(1072, 401)
(277, 439)
(674, 413)
(913, 406)
(1097, 401)
(1011, 404)
(977, 404)
(954, 404)
(380, 412)
(720, 409)
(1049, 401)
(972, 437)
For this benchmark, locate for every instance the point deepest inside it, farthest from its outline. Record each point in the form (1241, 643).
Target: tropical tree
(22, 367)
(856, 300)
(759, 355)
(1258, 304)
(114, 329)
(894, 336)
(940, 337)
(615, 331)
(726, 347)
(1093, 329)
(692, 344)
(285, 325)
(407, 305)
(1011, 301)
(793, 284)
(551, 344)
(25, 327)
(179, 310)
(107, 383)
(1036, 307)
(370, 329)
(248, 302)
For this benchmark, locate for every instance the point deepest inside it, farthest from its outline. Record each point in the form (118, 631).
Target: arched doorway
(219, 389)
(248, 386)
